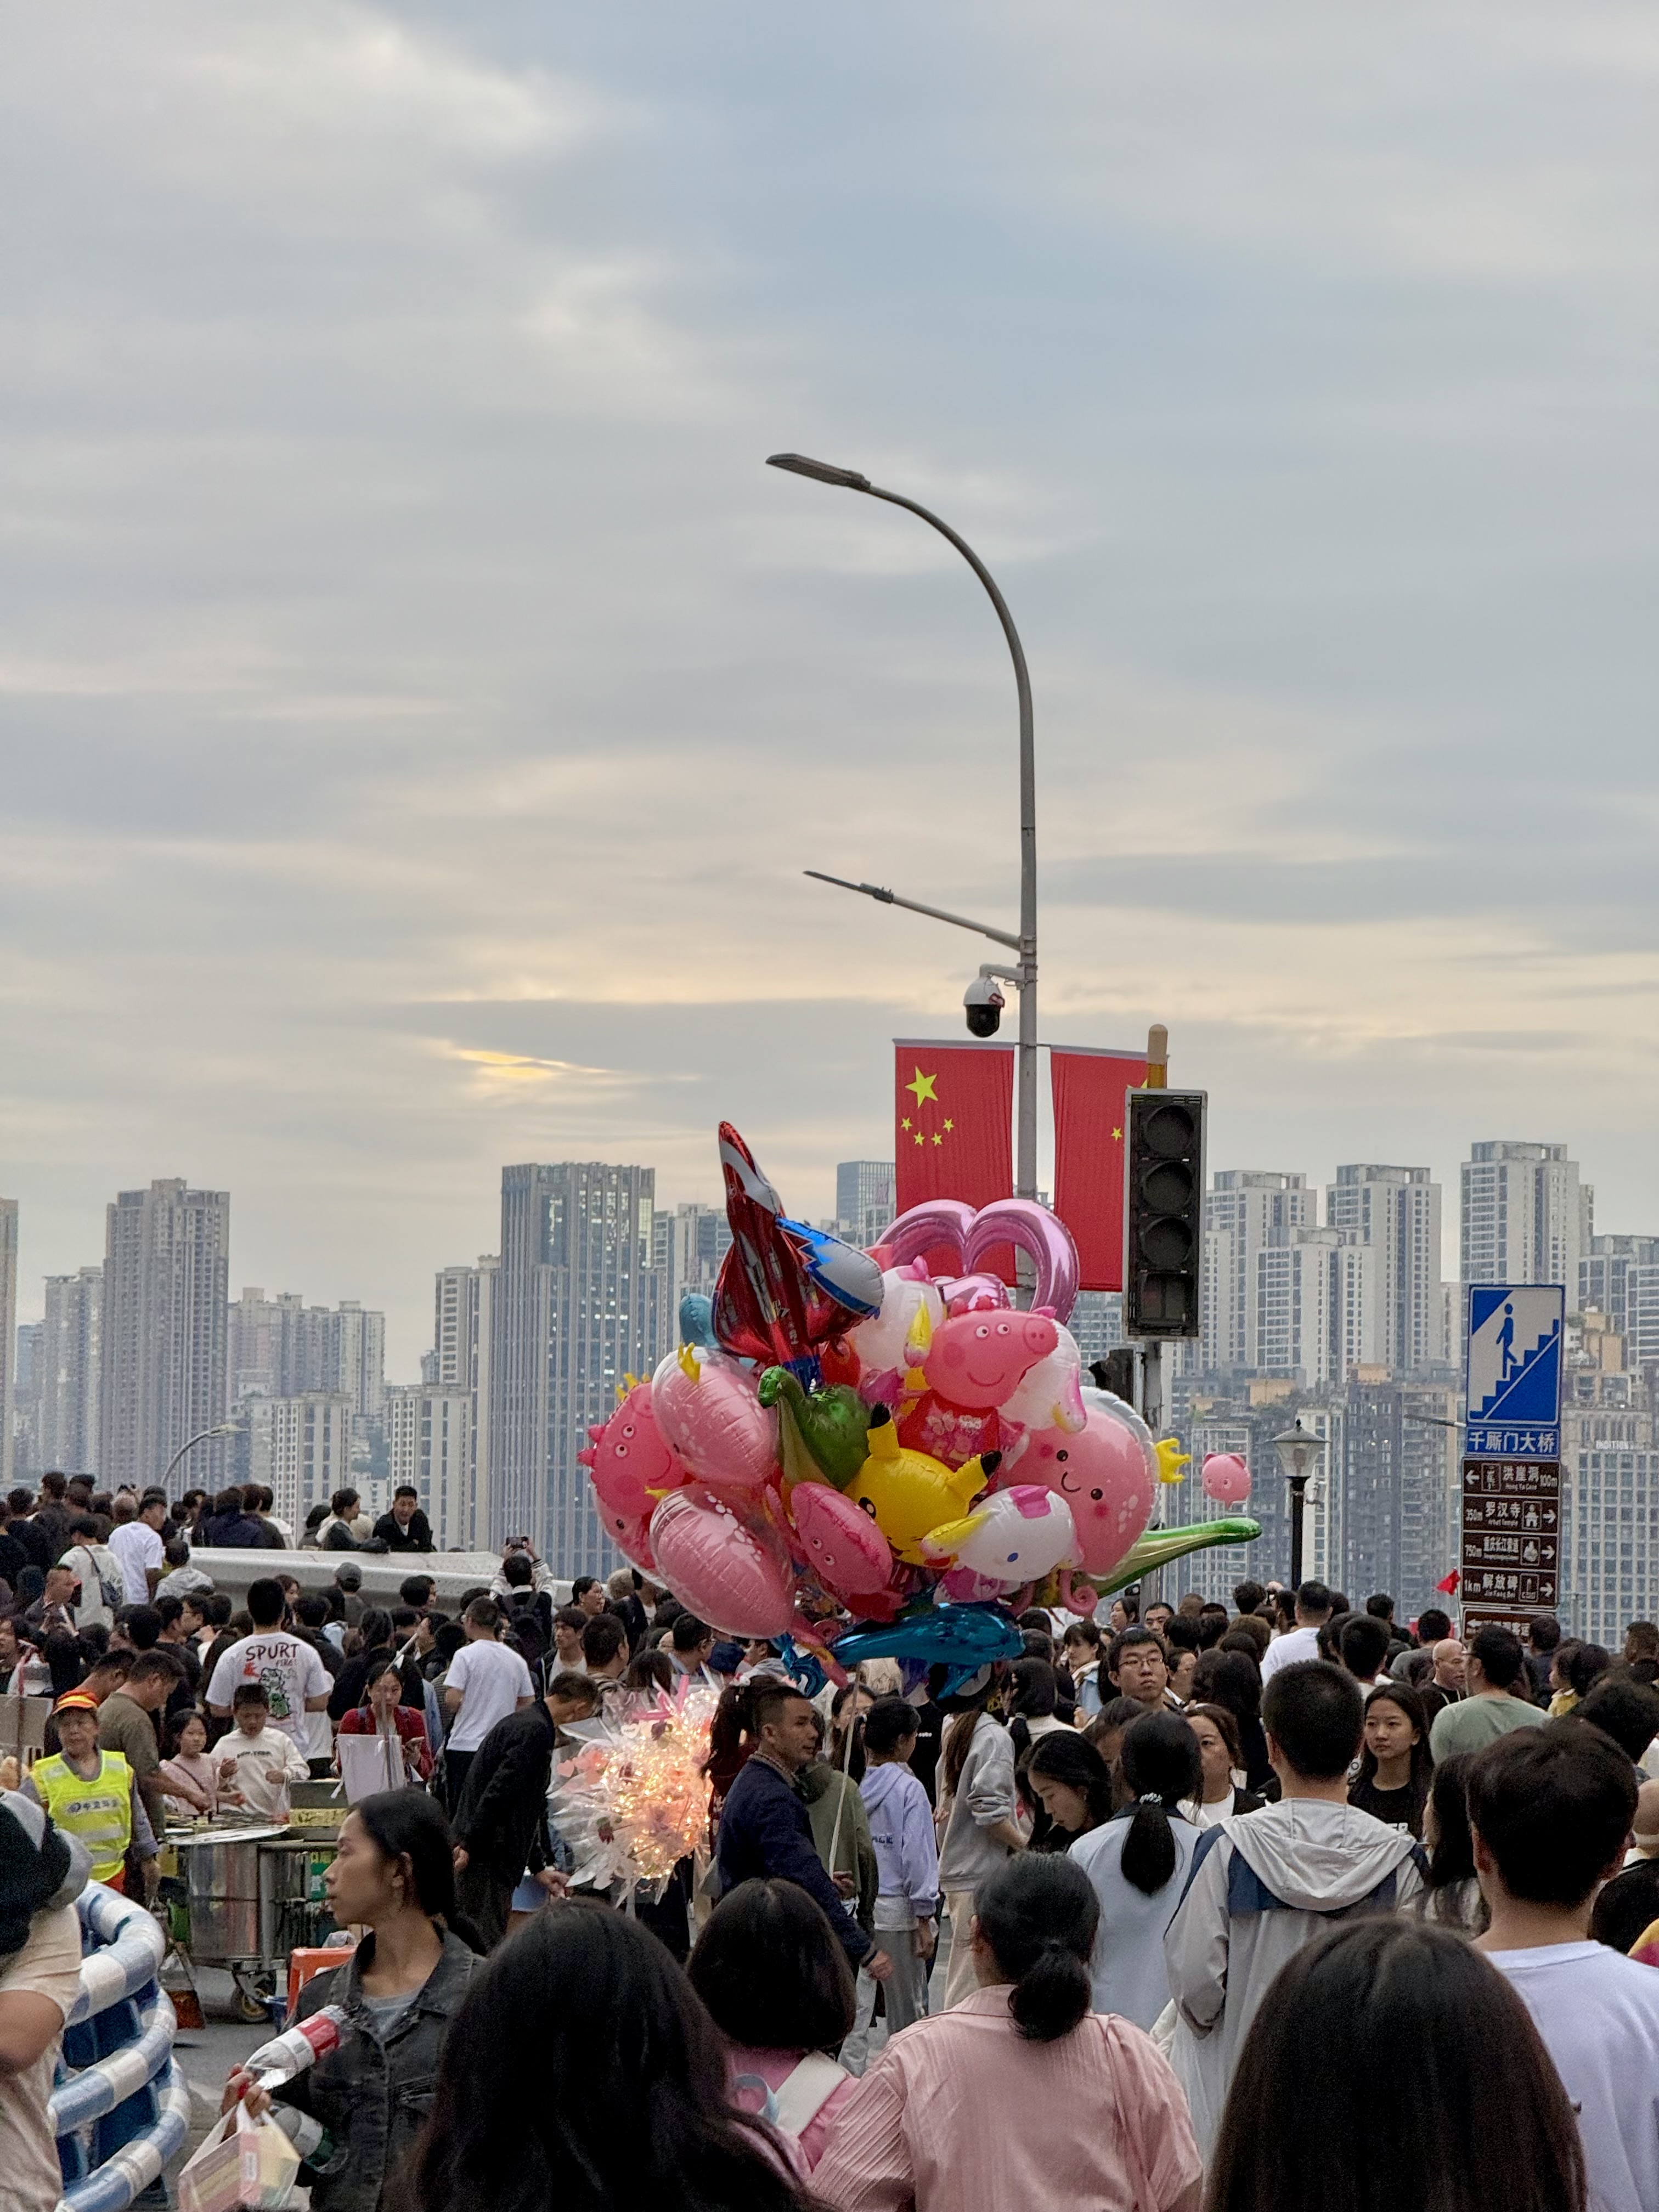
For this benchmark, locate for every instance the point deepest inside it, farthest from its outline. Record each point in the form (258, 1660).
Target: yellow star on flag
(948, 1124)
(918, 1138)
(923, 1087)
(905, 1123)
(938, 1140)
(1117, 1136)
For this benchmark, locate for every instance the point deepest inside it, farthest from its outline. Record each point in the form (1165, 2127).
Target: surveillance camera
(983, 1003)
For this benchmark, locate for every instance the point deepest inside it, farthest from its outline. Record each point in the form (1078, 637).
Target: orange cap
(77, 1701)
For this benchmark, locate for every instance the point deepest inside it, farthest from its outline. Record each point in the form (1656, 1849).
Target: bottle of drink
(296, 2049)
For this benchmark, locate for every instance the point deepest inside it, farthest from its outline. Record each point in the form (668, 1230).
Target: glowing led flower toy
(633, 1801)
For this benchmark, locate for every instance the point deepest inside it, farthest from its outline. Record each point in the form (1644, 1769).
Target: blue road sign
(1512, 1371)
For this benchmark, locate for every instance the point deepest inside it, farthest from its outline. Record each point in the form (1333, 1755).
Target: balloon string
(847, 1775)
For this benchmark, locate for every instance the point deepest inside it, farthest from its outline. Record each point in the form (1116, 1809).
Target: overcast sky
(418, 701)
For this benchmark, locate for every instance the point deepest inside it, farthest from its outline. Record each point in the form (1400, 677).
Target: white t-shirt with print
(287, 1670)
(492, 1679)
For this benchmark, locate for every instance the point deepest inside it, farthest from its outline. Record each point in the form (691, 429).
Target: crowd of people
(1209, 1907)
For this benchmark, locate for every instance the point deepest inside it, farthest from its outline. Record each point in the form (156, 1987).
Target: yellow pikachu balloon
(1170, 1459)
(906, 1493)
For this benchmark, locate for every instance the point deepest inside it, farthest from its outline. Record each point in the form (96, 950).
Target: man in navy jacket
(764, 1833)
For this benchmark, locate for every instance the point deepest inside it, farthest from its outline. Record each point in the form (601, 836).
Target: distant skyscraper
(575, 1313)
(8, 1337)
(301, 1449)
(167, 1266)
(1604, 1274)
(865, 1200)
(687, 1248)
(464, 1304)
(1610, 1531)
(1396, 1211)
(27, 1456)
(281, 1347)
(1097, 1323)
(1527, 1217)
(1244, 1206)
(70, 1375)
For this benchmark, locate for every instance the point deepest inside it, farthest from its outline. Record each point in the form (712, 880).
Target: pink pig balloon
(732, 1573)
(631, 1534)
(631, 1461)
(979, 1359)
(1106, 1472)
(844, 1549)
(707, 1407)
(1226, 1479)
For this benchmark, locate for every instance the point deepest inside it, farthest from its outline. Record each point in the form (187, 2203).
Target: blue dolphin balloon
(963, 1637)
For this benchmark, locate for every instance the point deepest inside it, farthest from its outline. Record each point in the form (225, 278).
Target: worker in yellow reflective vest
(91, 1793)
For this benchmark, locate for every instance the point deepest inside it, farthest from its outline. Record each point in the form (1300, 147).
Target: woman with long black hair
(355, 2113)
(1396, 1764)
(1389, 2065)
(1450, 1896)
(1137, 1864)
(1024, 2095)
(1072, 1783)
(584, 2074)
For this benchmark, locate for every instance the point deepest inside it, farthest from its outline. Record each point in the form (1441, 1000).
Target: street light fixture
(222, 1429)
(1300, 1452)
(1024, 975)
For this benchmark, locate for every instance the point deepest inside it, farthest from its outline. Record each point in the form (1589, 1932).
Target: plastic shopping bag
(245, 2165)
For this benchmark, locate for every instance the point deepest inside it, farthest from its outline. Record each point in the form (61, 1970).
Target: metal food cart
(242, 1898)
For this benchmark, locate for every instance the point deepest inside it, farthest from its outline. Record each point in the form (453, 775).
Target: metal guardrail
(121, 2108)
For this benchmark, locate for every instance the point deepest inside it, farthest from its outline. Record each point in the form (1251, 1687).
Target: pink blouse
(962, 2114)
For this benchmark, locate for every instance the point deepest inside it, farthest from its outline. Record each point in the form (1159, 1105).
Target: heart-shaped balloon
(969, 1235)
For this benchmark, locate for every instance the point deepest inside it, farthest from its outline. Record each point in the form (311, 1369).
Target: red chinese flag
(1089, 1090)
(953, 1133)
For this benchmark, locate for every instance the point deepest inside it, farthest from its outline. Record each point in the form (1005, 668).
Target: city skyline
(407, 1309)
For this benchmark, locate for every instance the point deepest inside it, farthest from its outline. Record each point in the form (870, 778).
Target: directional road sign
(1512, 1369)
(1511, 1540)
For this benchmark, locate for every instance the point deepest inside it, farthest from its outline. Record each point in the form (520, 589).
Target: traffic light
(1163, 1212)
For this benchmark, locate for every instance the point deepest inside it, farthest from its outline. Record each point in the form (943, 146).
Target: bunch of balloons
(873, 1459)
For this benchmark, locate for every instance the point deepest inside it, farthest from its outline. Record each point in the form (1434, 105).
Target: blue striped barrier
(121, 2108)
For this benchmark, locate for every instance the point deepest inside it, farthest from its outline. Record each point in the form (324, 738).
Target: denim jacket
(372, 2098)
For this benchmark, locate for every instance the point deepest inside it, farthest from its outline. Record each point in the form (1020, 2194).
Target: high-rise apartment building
(866, 1199)
(576, 1312)
(301, 1448)
(1318, 1306)
(1604, 1274)
(26, 1459)
(8, 1339)
(464, 1307)
(1526, 1216)
(1396, 1211)
(281, 1347)
(687, 1248)
(1244, 1207)
(69, 1375)
(1610, 1533)
(167, 1269)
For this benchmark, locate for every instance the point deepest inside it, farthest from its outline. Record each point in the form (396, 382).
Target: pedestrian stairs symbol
(1515, 1352)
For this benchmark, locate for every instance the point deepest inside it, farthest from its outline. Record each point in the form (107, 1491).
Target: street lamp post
(220, 1429)
(1299, 1453)
(1024, 974)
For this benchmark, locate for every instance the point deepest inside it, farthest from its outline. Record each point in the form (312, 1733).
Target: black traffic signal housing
(1163, 1212)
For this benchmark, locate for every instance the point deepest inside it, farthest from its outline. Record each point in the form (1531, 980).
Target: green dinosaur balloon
(1159, 1545)
(821, 1435)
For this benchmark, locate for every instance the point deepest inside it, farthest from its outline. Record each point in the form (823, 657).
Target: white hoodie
(1262, 1885)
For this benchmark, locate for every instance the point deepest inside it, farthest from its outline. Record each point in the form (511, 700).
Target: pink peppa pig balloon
(1106, 1472)
(1226, 1479)
(631, 1534)
(974, 1362)
(707, 1407)
(845, 1550)
(631, 1461)
(731, 1572)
